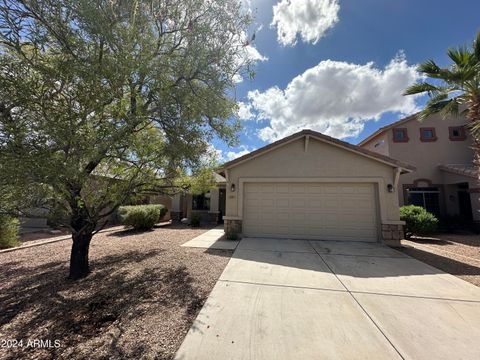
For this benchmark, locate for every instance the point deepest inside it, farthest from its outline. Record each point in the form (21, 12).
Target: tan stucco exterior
(309, 159)
(428, 156)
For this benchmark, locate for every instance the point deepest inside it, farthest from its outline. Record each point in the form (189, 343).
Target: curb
(68, 237)
(50, 241)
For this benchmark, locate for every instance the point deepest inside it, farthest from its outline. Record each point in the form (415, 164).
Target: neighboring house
(311, 186)
(445, 182)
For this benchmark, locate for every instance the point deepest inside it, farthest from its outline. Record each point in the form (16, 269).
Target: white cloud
(308, 18)
(335, 98)
(230, 155)
(245, 111)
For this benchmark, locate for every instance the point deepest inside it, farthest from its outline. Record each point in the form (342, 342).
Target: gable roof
(388, 127)
(324, 138)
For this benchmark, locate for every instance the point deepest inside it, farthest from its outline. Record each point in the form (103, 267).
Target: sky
(340, 66)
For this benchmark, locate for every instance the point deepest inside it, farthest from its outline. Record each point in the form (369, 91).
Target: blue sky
(340, 66)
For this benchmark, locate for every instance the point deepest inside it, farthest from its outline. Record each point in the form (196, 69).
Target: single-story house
(306, 186)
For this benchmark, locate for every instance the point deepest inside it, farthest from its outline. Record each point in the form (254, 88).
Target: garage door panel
(282, 203)
(303, 210)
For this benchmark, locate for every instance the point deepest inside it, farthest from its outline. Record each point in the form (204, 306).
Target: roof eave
(321, 137)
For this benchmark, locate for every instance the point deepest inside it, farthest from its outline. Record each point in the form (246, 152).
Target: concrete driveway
(294, 299)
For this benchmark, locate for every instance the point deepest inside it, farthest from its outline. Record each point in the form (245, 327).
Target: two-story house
(446, 181)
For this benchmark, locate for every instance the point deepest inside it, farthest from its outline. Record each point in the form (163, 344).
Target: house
(312, 186)
(445, 181)
(209, 207)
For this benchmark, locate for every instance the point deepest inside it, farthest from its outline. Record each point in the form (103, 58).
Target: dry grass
(456, 254)
(138, 303)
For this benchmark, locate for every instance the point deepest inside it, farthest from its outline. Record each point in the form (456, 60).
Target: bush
(140, 217)
(418, 220)
(163, 212)
(8, 232)
(195, 220)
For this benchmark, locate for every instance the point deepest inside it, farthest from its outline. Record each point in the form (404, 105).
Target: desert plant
(8, 232)
(454, 86)
(418, 220)
(104, 100)
(140, 217)
(195, 221)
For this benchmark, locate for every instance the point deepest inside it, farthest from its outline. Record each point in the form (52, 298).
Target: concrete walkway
(212, 239)
(295, 299)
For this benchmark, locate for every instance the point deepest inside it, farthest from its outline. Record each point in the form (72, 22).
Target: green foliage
(453, 86)
(418, 220)
(8, 232)
(163, 212)
(105, 101)
(57, 217)
(102, 101)
(232, 236)
(140, 217)
(195, 221)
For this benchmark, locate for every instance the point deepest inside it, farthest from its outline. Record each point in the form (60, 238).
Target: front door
(222, 196)
(465, 205)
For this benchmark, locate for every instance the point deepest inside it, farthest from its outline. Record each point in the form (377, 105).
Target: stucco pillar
(214, 200)
(393, 233)
(176, 211)
(475, 200)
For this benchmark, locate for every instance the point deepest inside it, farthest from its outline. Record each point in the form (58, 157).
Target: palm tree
(456, 85)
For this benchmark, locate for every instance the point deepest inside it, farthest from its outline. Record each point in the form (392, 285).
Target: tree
(103, 100)
(453, 87)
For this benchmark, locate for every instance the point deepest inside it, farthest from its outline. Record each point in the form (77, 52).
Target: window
(457, 133)
(426, 197)
(201, 202)
(400, 135)
(428, 134)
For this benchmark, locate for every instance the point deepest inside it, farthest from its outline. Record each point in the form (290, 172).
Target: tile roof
(461, 169)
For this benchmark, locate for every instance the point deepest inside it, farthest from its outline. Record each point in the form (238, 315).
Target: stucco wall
(320, 161)
(379, 144)
(426, 156)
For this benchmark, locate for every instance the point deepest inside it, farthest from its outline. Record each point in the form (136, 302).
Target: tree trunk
(79, 256)
(474, 117)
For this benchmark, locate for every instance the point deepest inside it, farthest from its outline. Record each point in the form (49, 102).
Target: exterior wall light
(390, 188)
(232, 188)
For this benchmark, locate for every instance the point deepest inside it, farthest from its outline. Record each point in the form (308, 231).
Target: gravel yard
(456, 254)
(138, 303)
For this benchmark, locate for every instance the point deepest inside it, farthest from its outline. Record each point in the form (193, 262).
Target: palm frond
(421, 88)
(451, 108)
(433, 107)
(461, 56)
(429, 68)
(476, 47)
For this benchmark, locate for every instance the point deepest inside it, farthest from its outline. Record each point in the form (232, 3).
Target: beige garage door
(311, 211)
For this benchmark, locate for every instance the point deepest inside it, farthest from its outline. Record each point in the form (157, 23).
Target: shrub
(8, 232)
(232, 235)
(163, 212)
(195, 220)
(140, 217)
(418, 220)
